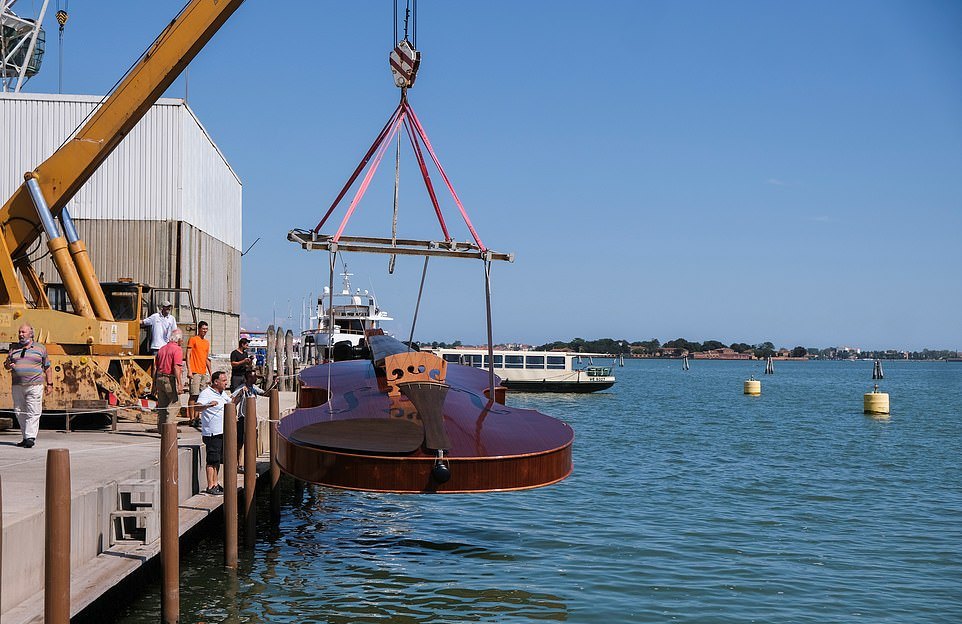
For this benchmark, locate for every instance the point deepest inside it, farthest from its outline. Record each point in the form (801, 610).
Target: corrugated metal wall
(163, 209)
(147, 251)
(224, 330)
(211, 192)
(166, 169)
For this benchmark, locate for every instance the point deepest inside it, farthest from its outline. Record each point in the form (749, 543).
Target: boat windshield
(598, 371)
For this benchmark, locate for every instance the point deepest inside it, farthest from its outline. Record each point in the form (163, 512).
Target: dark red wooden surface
(492, 446)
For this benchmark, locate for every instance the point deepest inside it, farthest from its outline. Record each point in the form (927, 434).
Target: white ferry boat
(354, 312)
(538, 371)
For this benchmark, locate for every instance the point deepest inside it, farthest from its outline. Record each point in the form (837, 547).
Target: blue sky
(740, 171)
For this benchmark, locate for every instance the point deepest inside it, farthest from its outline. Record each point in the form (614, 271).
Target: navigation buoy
(876, 403)
(753, 386)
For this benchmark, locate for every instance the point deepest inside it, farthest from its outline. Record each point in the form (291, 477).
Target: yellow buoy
(753, 386)
(876, 402)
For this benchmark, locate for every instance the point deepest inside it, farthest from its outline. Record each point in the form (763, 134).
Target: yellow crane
(95, 353)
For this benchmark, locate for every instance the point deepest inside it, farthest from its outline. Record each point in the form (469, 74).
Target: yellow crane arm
(62, 175)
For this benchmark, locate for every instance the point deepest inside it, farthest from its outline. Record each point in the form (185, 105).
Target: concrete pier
(99, 461)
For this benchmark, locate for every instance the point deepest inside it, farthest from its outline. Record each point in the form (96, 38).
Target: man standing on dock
(212, 400)
(168, 373)
(240, 363)
(162, 324)
(30, 372)
(198, 369)
(248, 389)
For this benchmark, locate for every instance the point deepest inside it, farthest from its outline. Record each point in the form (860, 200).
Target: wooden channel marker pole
(275, 411)
(56, 576)
(169, 525)
(250, 469)
(230, 486)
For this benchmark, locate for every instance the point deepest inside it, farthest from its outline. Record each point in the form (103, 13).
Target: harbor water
(690, 502)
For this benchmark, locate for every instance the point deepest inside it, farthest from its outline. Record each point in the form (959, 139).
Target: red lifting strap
(404, 116)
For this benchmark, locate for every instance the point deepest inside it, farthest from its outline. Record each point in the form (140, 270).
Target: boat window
(474, 360)
(556, 362)
(498, 361)
(534, 361)
(514, 361)
(598, 371)
(452, 357)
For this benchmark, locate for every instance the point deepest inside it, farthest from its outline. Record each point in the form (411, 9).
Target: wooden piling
(169, 525)
(56, 577)
(250, 469)
(289, 360)
(269, 356)
(278, 356)
(275, 416)
(230, 486)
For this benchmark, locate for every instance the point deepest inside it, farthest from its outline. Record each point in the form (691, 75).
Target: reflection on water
(689, 502)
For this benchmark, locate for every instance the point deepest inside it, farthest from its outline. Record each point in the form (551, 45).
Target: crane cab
(130, 302)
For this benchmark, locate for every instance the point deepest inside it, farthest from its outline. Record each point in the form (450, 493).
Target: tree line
(765, 349)
(654, 346)
(650, 348)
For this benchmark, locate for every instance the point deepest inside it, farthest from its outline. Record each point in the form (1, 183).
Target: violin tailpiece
(428, 400)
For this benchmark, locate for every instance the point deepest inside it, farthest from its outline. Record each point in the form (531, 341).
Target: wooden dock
(99, 462)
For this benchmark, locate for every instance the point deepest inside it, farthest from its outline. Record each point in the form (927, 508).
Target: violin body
(408, 421)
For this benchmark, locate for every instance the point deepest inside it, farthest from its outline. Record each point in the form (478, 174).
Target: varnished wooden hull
(493, 447)
(413, 475)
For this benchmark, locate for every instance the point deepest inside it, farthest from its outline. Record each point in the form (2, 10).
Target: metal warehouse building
(164, 209)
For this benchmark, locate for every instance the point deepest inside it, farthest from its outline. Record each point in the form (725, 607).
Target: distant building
(722, 354)
(671, 352)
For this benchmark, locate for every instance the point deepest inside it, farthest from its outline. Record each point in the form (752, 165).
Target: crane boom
(62, 175)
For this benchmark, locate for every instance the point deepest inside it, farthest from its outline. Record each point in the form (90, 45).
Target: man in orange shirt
(198, 369)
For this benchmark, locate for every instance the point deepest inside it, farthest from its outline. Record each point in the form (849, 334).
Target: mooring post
(169, 525)
(230, 486)
(56, 586)
(275, 416)
(250, 469)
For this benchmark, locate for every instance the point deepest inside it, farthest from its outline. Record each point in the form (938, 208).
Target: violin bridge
(412, 366)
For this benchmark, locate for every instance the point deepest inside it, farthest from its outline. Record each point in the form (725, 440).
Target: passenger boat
(354, 312)
(538, 371)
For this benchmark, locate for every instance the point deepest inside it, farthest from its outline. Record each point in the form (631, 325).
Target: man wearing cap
(161, 324)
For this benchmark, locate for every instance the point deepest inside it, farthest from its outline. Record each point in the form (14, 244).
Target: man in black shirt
(240, 364)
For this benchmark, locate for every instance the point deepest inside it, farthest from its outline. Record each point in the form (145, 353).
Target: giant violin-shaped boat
(407, 421)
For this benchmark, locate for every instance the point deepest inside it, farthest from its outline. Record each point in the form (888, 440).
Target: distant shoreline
(703, 358)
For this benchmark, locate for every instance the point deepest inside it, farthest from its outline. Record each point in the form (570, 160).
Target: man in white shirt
(161, 324)
(212, 400)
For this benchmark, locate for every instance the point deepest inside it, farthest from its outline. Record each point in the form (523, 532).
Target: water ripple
(690, 502)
